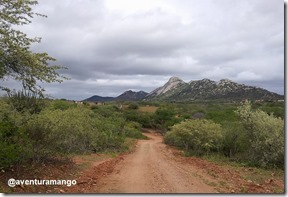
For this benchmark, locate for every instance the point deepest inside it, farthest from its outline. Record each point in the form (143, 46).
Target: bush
(234, 141)
(62, 104)
(265, 134)
(145, 119)
(132, 130)
(60, 132)
(165, 117)
(25, 101)
(14, 144)
(197, 137)
(133, 106)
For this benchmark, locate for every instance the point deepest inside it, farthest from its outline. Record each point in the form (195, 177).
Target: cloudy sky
(110, 46)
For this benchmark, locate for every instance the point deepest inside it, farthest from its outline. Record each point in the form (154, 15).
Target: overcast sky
(110, 46)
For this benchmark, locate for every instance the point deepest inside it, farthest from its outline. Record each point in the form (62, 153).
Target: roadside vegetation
(250, 133)
(37, 129)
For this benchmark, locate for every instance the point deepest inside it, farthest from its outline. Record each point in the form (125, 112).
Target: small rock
(232, 191)
(249, 181)
(3, 171)
(61, 191)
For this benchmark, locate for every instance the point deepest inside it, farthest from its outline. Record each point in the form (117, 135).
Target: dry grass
(148, 108)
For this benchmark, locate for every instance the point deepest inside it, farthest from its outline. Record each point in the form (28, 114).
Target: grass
(255, 174)
(148, 109)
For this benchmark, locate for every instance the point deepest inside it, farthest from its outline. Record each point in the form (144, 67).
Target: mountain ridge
(175, 89)
(206, 89)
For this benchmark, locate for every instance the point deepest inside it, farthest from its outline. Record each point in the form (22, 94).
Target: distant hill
(178, 90)
(126, 96)
(131, 96)
(96, 98)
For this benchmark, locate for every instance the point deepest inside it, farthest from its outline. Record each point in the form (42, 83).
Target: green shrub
(133, 106)
(265, 134)
(14, 144)
(165, 117)
(132, 130)
(197, 137)
(25, 101)
(145, 119)
(74, 130)
(62, 104)
(60, 132)
(234, 141)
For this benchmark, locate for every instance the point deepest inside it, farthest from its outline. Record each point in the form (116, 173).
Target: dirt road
(152, 168)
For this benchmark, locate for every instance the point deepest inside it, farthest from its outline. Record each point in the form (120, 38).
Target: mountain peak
(173, 83)
(226, 81)
(174, 79)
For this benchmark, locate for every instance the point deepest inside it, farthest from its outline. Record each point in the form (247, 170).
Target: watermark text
(14, 182)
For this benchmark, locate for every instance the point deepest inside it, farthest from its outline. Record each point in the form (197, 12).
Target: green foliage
(145, 119)
(62, 105)
(106, 110)
(74, 130)
(165, 117)
(133, 130)
(223, 115)
(60, 129)
(195, 136)
(25, 101)
(12, 143)
(17, 60)
(265, 134)
(275, 108)
(234, 142)
(133, 106)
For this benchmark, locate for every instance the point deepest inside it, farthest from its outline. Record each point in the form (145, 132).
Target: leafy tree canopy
(17, 61)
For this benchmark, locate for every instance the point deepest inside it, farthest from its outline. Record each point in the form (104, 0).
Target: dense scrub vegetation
(33, 128)
(250, 133)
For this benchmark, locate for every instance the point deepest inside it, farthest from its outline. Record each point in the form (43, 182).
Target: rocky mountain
(177, 90)
(97, 98)
(168, 89)
(131, 96)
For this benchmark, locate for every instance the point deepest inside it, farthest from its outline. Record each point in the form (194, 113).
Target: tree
(265, 134)
(17, 61)
(165, 117)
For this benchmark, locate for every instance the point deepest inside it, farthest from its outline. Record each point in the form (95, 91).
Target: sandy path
(153, 169)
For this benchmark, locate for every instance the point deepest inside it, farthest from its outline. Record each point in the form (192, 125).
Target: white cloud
(116, 42)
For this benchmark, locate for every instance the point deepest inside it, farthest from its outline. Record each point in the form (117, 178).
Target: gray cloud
(110, 47)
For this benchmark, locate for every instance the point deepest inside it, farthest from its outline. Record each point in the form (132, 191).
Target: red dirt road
(153, 169)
